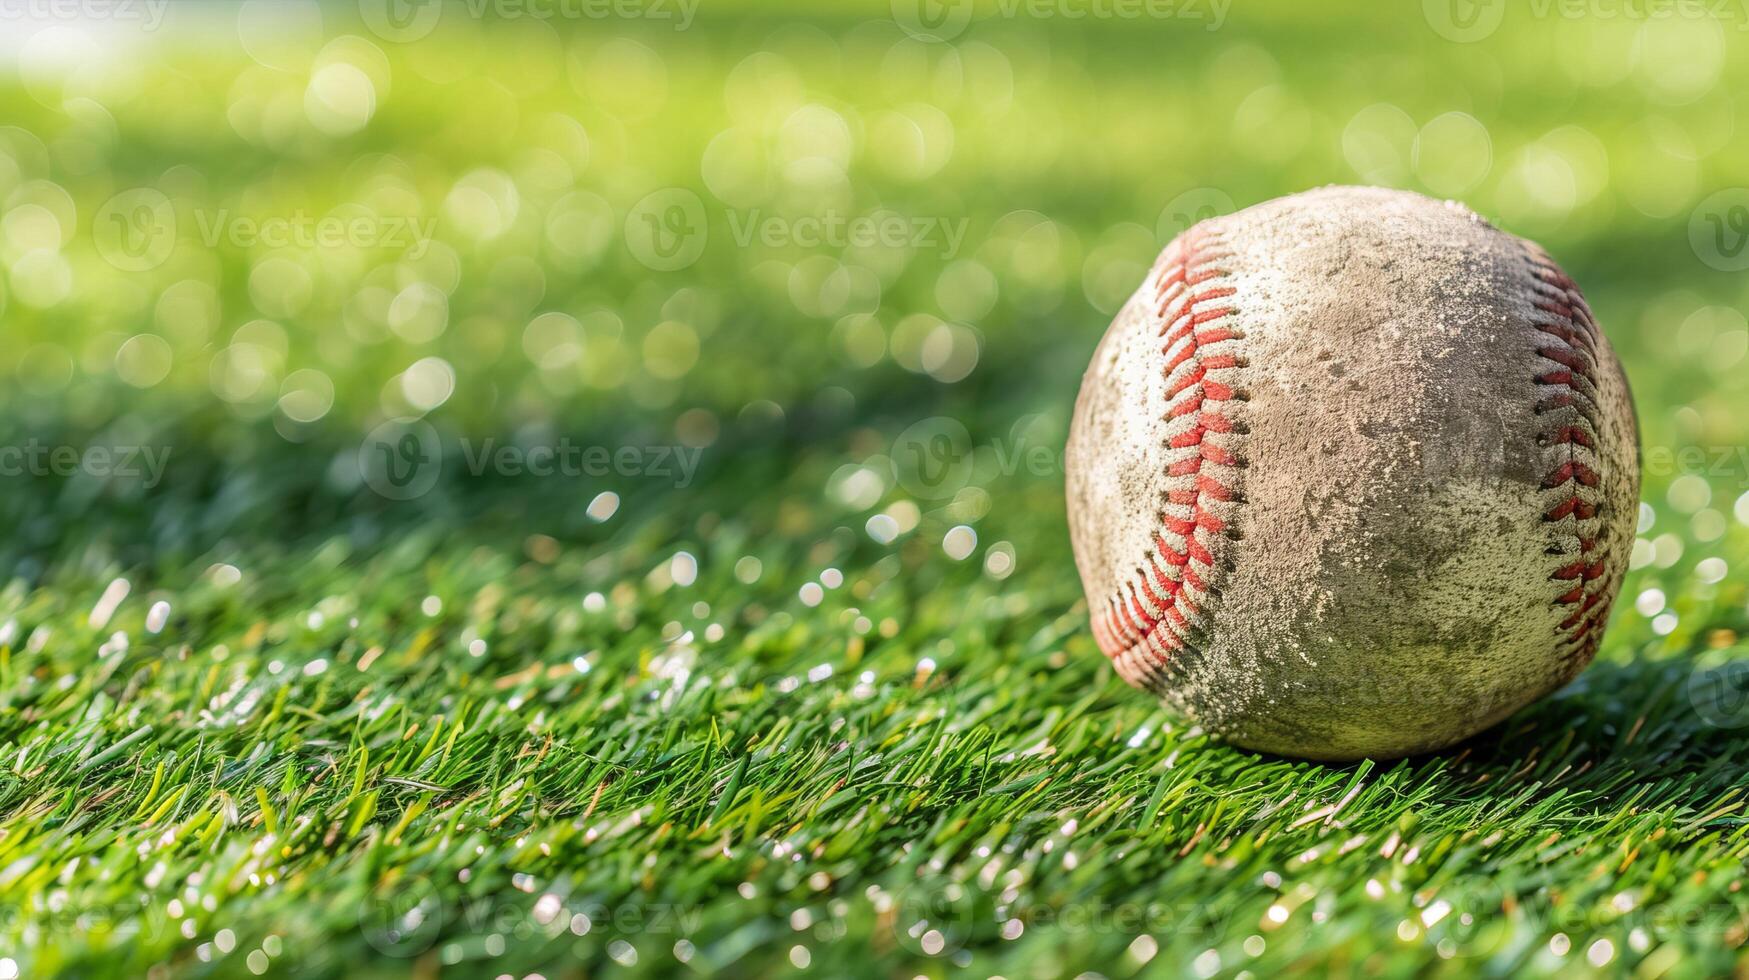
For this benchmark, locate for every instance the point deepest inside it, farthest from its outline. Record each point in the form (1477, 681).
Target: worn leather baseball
(1353, 474)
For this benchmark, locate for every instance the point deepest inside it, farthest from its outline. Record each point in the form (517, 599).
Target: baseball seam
(1167, 599)
(1567, 405)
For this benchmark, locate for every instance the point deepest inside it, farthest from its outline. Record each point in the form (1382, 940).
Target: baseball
(1352, 474)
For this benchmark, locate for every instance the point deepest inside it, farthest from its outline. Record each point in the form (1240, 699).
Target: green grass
(256, 716)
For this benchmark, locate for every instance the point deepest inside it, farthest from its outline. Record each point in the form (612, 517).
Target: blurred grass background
(228, 690)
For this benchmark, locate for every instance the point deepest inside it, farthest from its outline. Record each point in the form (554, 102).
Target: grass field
(520, 494)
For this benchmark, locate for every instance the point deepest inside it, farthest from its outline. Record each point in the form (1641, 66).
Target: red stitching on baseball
(1157, 610)
(1569, 343)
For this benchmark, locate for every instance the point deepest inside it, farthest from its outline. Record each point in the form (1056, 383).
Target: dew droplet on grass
(112, 597)
(683, 569)
(959, 542)
(603, 507)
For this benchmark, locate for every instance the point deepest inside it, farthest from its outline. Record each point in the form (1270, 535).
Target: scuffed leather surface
(1385, 588)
